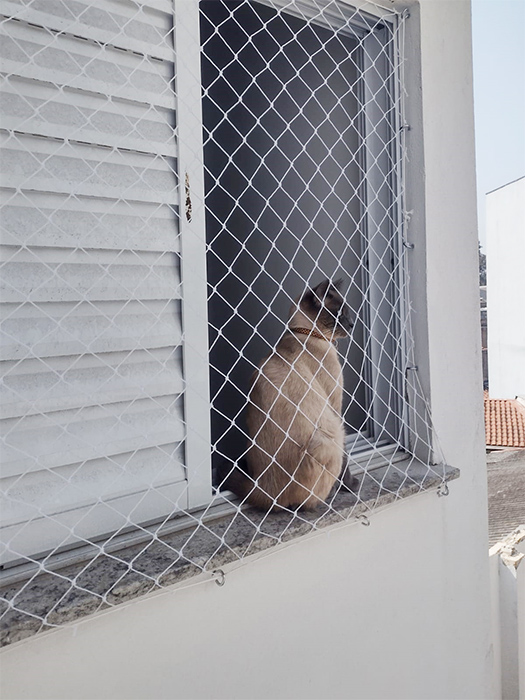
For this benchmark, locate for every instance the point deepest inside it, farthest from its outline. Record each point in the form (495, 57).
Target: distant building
(506, 290)
(484, 339)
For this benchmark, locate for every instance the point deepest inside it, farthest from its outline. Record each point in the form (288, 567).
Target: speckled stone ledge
(78, 590)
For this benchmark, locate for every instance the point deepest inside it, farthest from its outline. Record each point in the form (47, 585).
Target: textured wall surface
(506, 290)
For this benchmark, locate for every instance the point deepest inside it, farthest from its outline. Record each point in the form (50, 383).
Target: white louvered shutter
(95, 333)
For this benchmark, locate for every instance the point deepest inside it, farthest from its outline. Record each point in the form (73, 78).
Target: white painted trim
(330, 18)
(400, 127)
(193, 250)
(381, 235)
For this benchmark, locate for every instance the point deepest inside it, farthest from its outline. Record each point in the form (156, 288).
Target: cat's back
(287, 363)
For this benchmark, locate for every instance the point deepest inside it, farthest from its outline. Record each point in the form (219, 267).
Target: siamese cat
(295, 450)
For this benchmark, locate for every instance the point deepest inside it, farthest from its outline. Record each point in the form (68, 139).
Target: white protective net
(136, 309)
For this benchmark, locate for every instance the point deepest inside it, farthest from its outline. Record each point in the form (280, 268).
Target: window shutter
(93, 397)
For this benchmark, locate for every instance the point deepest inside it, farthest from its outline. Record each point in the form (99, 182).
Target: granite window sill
(114, 577)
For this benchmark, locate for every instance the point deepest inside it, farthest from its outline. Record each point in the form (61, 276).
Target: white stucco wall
(507, 571)
(506, 290)
(386, 611)
(399, 609)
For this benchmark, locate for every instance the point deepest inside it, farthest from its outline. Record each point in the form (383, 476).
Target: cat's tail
(234, 477)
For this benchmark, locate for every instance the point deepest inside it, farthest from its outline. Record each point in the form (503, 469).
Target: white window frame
(191, 160)
(193, 252)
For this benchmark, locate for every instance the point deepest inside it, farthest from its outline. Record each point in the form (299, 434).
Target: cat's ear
(310, 301)
(338, 284)
(319, 292)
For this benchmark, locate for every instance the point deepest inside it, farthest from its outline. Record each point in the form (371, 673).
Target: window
(174, 175)
(301, 119)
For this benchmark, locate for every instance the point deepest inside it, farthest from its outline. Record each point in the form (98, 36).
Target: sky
(498, 33)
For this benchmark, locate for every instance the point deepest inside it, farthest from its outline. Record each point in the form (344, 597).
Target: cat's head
(325, 306)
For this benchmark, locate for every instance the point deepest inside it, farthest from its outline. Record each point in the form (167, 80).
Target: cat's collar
(312, 331)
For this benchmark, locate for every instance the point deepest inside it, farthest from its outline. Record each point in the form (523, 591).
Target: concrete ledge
(108, 579)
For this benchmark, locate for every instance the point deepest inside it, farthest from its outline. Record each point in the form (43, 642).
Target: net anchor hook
(219, 577)
(363, 519)
(443, 490)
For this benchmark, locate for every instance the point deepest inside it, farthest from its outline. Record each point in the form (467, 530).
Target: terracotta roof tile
(504, 423)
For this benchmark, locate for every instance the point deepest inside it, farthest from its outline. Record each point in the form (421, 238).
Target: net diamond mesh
(113, 480)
